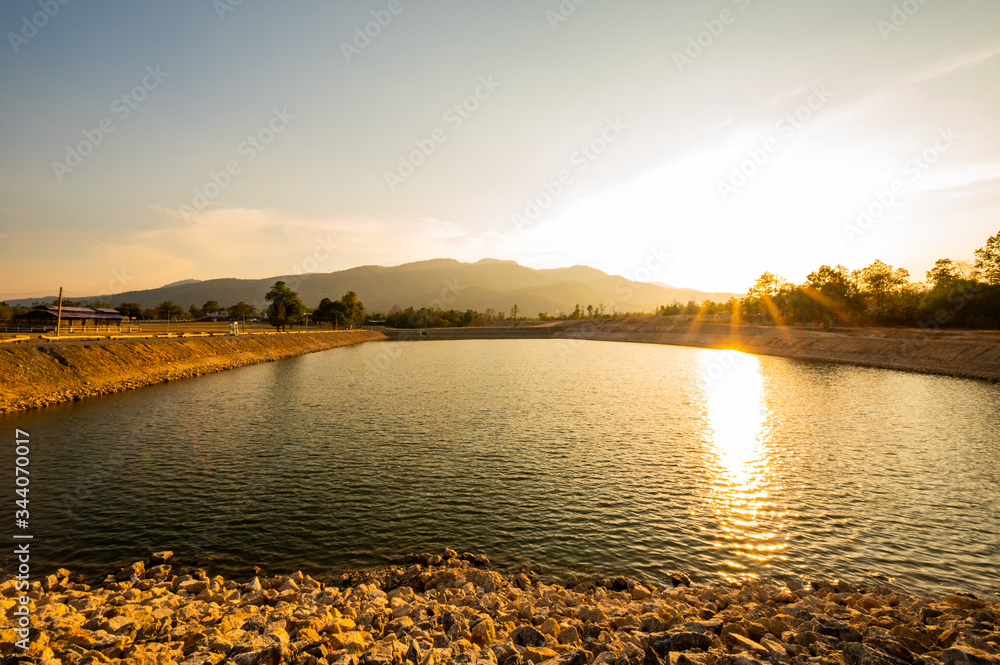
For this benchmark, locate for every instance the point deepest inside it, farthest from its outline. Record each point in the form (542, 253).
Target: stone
(550, 627)
(267, 656)
(527, 636)
(688, 640)
(841, 630)
(539, 654)
(569, 635)
(160, 558)
(856, 653)
(963, 655)
(131, 573)
(737, 642)
(483, 632)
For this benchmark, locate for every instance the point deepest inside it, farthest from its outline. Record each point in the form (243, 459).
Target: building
(46, 315)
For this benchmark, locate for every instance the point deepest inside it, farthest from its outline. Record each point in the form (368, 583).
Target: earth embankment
(42, 372)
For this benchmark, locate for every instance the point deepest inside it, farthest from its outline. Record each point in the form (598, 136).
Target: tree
(943, 276)
(881, 281)
(285, 305)
(242, 309)
(513, 313)
(211, 307)
(196, 312)
(988, 260)
(353, 309)
(830, 294)
(132, 310)
(347, 311)
(167, 310)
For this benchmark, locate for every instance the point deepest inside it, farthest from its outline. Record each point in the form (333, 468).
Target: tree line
(955, 293)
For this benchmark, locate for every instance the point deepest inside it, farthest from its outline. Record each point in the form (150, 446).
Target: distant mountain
(442, 283)
(182, 282)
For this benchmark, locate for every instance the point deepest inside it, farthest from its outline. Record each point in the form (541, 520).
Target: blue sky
(148, 142)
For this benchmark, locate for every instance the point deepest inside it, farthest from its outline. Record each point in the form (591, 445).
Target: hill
(442, 283)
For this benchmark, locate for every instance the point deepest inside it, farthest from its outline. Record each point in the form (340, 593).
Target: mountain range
(442, 283)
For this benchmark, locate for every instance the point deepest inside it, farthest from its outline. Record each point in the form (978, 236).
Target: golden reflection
(742, 481)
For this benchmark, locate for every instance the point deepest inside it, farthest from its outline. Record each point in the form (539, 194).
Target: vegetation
(286, 307)
(954, 293)
(347, 311)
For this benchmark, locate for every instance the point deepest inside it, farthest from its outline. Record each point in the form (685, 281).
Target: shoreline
(40, 373)
(957, 353)
(451, 607)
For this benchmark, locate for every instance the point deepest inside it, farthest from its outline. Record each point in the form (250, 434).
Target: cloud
(254, 243)
(950, 65)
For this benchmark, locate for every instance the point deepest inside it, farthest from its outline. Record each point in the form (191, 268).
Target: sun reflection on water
(742, 483)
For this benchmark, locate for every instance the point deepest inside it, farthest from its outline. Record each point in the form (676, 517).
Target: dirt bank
(970, 354)
(454, 608)
(39, 372)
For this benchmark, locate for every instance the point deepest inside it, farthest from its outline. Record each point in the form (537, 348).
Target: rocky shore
(452, 608)
(41, 373)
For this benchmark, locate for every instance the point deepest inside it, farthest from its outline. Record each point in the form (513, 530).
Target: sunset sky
(145, 143)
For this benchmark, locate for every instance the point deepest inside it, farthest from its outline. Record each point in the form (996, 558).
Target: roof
(74, 312)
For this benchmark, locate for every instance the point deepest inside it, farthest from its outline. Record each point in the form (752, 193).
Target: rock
(841, 630)
(483, 632)
(650, 623)
(736, 659)
(160, 558)
(539, 654)
(856, 653)
(964, 601)
(569, 635)
(737, 642)
(688, 640)
(578, 657)
(678, 579)
(963, 655)
(267, 656)
(550, 627)
(640, 592)
(131, 573)
(527, 636)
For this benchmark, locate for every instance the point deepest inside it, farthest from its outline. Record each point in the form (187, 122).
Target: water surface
(586, 458)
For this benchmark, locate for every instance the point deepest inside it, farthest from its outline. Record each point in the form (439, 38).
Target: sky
(695, 144)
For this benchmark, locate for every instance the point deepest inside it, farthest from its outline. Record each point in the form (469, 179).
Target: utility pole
(59, 315)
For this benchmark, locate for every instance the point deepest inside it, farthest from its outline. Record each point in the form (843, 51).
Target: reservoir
(575, 458)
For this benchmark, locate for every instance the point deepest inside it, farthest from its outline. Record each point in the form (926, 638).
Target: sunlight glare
(738, 434)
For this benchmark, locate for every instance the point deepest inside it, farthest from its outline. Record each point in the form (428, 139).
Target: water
(586, 458)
